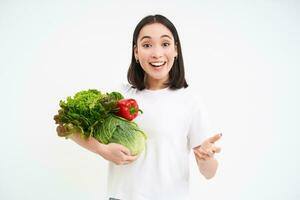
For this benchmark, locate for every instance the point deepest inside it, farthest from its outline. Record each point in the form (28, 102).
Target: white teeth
(157, 63)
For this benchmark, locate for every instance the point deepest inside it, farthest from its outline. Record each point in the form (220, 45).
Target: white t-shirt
(174, 122)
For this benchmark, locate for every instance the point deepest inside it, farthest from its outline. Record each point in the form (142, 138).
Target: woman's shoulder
(192, 96)
(124, 88)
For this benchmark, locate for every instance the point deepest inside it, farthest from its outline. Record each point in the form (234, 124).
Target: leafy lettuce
(92, 114)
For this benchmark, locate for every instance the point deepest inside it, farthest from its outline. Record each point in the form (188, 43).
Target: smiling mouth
(157, 64)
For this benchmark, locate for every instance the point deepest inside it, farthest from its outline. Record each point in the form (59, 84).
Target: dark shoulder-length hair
(136, 74)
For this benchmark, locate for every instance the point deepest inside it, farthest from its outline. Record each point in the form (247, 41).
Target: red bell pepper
(128, 109)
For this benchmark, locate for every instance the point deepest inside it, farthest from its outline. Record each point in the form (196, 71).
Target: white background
(242, 57)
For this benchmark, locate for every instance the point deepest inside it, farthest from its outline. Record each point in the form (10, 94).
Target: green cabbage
(92, 114)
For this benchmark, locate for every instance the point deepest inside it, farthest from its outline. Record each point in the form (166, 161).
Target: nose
(157, 52)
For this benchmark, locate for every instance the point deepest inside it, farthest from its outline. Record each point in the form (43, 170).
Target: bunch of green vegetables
(101, 115)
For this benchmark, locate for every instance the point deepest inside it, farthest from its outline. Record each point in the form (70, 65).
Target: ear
(135, 50)
(176, 52)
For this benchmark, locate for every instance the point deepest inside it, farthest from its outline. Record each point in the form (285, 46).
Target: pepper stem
(132, 110)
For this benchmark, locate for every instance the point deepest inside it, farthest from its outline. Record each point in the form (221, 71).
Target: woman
(173, 120)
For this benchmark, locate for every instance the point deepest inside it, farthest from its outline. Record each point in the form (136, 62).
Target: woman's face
(155, 52)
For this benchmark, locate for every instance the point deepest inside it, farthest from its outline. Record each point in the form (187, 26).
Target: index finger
(215, 138)
(131, 158)
(125, 150)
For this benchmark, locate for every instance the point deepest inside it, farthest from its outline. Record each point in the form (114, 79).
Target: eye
(146, 45)
(165, 44)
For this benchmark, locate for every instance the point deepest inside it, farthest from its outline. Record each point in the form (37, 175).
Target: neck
(154, 84)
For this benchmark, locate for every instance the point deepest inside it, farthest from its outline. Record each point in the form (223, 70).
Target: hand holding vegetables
(94, 114)
(117, 154)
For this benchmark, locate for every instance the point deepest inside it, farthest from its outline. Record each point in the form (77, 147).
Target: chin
(162, 77)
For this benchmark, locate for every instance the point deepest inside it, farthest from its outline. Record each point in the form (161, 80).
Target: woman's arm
(205, 156)
(90, 143)
(113, 152)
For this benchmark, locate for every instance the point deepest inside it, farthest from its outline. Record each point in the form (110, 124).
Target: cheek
(171, 53)
(143, 55)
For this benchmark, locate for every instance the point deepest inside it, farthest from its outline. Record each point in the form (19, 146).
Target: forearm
(90, 144)
(208, 168)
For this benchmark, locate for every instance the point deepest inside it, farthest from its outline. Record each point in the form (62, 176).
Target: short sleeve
(200, 127)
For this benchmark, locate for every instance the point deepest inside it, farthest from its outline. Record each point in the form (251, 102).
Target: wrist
(101, 149)
(206, 161)
(208, 167)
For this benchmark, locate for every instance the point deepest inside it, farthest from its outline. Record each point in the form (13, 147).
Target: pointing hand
(207, 149)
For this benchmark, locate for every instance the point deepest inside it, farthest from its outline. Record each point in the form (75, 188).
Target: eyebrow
(146, 36)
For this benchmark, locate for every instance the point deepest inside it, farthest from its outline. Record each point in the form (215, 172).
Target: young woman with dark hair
(174, 120)
(136, 74)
